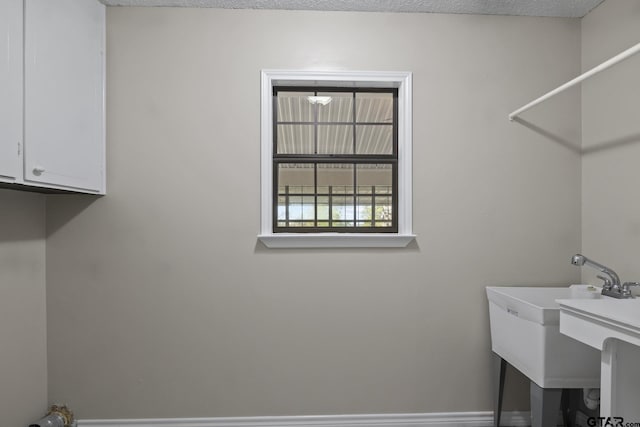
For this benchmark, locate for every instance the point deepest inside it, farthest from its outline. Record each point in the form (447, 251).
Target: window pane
(342, 211)
(374, 139)
(378, 175)
(364, 212)
(297, 177)
(338, 180)
(384, 209)
(282, 209)
(339, 108)
(296, 200)
(337, 176)
(377, 180)
(374, 107)
(335, 139)
(295, 208)
(323, 209)
(309, 210)
(295, 139)
(294, 107)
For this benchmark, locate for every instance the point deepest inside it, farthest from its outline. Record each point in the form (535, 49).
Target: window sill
(335, 240)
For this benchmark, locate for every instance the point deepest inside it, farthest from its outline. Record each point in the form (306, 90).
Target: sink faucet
(611, 282)
(611, 286)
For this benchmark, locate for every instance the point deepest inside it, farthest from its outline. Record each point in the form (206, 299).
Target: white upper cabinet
(10, 88)
(60, 93)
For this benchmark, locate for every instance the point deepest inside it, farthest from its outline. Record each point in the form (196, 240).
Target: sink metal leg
(545, 405)
(500, 370)
(566, 407)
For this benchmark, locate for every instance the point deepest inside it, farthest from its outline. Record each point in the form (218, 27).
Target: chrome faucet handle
(607, 282)
(626, 292)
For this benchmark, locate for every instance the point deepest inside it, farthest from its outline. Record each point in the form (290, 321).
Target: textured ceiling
(559, 8)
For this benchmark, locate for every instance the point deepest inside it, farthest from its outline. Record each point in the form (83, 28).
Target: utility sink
(525, 331)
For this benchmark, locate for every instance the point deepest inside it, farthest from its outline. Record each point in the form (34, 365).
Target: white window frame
(400, 80)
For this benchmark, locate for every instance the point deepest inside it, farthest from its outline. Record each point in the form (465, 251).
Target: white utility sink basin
(525, 332)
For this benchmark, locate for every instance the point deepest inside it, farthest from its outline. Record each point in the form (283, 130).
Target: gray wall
(23, 329)
(611, 141)
(163, 304)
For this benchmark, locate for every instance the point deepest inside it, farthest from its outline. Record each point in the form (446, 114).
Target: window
(336, 159)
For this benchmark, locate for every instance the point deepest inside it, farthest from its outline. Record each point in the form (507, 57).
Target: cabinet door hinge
(19, 148)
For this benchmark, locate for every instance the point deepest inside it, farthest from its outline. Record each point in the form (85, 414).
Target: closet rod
(618, 58)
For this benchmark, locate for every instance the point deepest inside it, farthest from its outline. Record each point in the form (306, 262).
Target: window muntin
(335, 160)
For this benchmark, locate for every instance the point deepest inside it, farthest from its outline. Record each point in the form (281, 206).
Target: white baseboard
(449, 419)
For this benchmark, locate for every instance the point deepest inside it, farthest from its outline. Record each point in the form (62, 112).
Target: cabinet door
(64, 94)
(10, 88)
